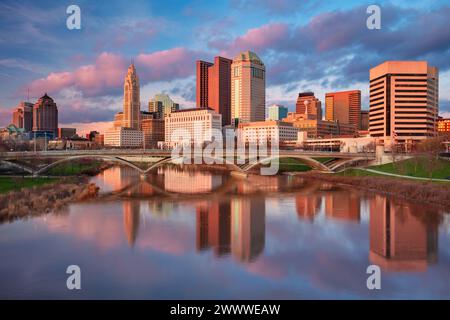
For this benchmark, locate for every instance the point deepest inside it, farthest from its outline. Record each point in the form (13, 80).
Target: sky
(306, 45)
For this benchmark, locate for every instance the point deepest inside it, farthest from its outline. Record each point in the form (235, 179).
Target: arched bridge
(29, 161)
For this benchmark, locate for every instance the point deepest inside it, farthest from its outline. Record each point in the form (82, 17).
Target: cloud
(106, 75)
(85, 128)
(335, 49)
(256, 39)
(166, 65)
(5, 116)
(23, 65)
(273, 6)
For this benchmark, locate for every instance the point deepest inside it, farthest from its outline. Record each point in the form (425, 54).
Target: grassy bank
(12, 183)
(417, 167)
(76, 168)
(414, 190)
(292, 165)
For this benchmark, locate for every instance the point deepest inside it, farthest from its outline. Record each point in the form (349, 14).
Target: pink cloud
(107, 72)
(263, 37)
(269, 36)
(106, 75)
(5, 116)
(167, 64)
(85, 128)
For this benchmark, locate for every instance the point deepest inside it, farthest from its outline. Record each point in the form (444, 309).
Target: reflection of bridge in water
(153, 159)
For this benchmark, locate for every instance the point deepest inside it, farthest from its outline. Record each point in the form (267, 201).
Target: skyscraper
(344, 106)
(45, 115)
(202, 83)
(403, 101)
(248, 88)
(131, 100)
(307, 103)
(23, 116)
(162, 105)
(214, 87)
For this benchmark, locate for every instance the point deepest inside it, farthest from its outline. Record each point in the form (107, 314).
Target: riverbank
(8, 184)
(44, 198)
(414, 190)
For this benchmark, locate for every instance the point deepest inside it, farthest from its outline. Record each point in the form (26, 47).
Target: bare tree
(430, 150)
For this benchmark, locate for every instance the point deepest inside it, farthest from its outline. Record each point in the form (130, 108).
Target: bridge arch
(99, 157)
(18, 166)
(306, 160)
(344, 162)
(215, 159)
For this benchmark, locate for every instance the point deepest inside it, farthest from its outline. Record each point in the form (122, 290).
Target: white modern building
(123, 137)
(191, 126)
(266, 131)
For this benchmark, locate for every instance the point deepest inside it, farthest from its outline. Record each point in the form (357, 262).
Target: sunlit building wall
(248, 88)
(404, 101)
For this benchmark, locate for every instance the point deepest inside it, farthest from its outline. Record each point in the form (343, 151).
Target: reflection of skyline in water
(247, 233)
(337, 204)
(398, 239)
(234, 226)
(189, 181)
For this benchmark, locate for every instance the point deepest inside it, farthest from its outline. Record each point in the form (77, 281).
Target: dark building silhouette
(45, 115)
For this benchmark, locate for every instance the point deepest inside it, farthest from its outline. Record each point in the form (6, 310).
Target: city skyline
(86, 80)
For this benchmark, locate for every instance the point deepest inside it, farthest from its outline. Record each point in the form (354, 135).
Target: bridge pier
(143, 176)
(239, 174)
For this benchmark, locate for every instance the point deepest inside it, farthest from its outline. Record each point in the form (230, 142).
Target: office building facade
(191, 126)
(267, 131)
(344, 106)
(214, 86)
(364, 122)
(403, 101)
(23, 116)
(123, 137)
(162, 105)
(277, 112)
(307, 103)
(45, 115)
(153, 131)
(248, 88)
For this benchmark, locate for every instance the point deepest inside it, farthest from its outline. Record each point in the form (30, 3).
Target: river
(186, 234)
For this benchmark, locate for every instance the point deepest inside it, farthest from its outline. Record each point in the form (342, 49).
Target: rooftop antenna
(28, 94)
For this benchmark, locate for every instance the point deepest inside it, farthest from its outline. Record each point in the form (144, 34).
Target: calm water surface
(183, 234)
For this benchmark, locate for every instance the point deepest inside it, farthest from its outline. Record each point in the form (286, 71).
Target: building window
(236, 71)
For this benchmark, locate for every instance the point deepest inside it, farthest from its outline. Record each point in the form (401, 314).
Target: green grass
(292, 165)
(418, 167)
(323, 160)
(72, 168)
(11, 183)
(357, 173)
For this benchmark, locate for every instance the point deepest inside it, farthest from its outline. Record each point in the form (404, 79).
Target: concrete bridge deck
(156, 158)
